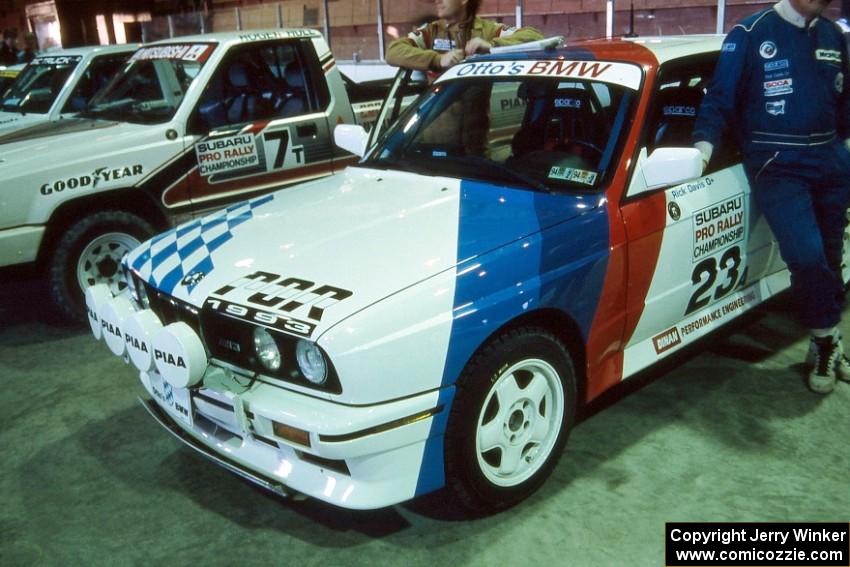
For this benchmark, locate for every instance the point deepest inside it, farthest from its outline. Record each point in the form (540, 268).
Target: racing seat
(294, 100)
(573, 118)
(247, 104)
(565, 123)
(678, 114)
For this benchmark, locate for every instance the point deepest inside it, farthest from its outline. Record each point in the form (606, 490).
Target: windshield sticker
(572, 174)
(57, 60)
(233, 153)
(186, 52)
(624, 74)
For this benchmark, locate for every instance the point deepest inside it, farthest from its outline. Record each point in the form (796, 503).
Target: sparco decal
(287, 294)
(101, 174)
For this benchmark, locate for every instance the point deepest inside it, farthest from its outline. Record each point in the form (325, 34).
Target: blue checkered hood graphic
(170, 256)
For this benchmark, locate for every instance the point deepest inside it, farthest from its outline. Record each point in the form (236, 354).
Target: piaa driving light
(266, 349)
(311, 362)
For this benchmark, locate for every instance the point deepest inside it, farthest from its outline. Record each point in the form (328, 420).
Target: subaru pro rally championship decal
(275, 301)
(244, 154)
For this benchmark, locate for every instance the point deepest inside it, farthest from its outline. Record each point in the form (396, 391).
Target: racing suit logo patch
(775, 107)
(443, 44)
(828, 55)
(839, 82)
(776, 65)
(768, 50)
(778, 87)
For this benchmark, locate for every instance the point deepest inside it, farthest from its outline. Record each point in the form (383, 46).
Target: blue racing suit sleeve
(718, 106)
(843, 126)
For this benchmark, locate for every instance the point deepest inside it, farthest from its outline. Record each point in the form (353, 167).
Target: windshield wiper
(486, 164)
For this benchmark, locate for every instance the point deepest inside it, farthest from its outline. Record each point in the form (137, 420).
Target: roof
(83, 51)
(241, 36)
(670, 47)
(636, 49)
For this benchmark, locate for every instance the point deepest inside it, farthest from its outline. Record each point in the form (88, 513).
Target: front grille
(169, 309)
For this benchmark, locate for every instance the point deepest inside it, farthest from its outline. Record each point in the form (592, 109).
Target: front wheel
(513, 411)
(89, 252)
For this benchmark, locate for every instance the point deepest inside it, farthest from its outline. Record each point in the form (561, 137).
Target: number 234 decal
(705, 277)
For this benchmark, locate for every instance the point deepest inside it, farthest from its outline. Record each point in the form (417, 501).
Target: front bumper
(360, 457)
(20, 245)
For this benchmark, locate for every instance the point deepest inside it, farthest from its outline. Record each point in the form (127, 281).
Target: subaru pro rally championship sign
(233, 153)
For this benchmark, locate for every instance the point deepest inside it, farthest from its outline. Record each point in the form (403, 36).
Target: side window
(99, 72)
(677, 102)
(676, 114)
(255, 82)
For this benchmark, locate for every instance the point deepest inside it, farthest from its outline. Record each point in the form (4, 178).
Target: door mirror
(351, 138)
(671, 166)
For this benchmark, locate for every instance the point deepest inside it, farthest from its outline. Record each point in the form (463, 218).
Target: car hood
(11, 121)
(341, 243)
(34, 132)
(68, 142)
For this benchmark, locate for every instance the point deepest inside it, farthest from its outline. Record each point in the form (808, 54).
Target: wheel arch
(129, 200)
(563, 327)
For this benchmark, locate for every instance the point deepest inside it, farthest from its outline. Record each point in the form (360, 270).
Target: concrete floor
(729, 434)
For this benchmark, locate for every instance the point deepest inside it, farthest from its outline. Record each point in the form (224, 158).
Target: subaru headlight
(266, 350)
(311, 362)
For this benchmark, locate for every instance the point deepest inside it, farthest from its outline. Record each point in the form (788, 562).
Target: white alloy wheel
(519, 422)
(100, 261)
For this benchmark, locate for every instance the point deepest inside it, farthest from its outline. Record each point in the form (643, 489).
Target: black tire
(66, 293)
(466, 470)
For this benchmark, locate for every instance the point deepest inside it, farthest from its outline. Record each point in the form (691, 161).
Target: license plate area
(176, 401)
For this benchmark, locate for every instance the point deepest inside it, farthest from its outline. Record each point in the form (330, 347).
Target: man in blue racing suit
(780, 89)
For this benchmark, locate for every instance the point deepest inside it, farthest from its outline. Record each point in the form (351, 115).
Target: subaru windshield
(544, 125)
(151, 87)
(38, 85)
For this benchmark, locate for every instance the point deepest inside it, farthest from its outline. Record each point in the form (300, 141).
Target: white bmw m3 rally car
(530, 233)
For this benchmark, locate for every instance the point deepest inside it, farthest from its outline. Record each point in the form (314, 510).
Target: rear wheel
(512, 414)
(88, 253)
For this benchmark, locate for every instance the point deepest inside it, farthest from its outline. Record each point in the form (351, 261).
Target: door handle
(306, 130)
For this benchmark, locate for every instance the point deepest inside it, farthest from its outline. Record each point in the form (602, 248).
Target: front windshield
(38, 85)
(541, 131)
(152, 85)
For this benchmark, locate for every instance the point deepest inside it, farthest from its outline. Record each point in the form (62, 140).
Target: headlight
(266, 349)
(311, 362)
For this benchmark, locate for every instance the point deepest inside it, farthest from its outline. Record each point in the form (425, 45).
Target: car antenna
(631, 20)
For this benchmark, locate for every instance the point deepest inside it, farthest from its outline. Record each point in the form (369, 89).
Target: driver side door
(258, 125)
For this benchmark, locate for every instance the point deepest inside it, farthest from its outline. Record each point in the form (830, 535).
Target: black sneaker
(827, 354)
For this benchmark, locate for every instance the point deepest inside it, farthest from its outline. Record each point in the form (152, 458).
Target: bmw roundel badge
(192, 278)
